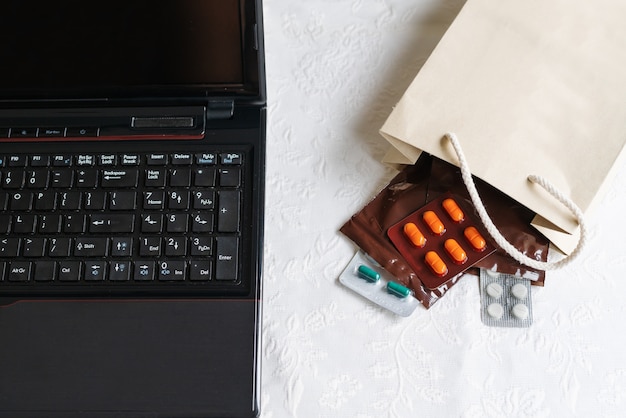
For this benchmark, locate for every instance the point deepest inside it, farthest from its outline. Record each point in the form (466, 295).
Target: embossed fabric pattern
(335, 69)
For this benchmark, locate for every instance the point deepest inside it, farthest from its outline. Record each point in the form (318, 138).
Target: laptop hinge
(220, 109)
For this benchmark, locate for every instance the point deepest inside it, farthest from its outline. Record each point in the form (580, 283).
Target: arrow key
(175, 246)
(119, 270)
(95, 270)
(121, 246)
(144, 270)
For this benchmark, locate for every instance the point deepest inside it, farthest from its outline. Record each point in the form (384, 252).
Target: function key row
(110, 160)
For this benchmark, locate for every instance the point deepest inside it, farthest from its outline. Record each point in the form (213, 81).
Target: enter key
(226, 262)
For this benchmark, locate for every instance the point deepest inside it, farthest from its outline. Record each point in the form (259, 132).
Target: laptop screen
(67, 48)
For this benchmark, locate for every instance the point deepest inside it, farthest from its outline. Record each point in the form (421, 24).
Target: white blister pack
(505, 300)
(367, 278)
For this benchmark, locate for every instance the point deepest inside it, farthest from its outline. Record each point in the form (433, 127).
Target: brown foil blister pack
(441, 240)
(413, 188)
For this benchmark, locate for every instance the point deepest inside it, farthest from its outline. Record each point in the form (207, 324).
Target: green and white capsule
(398, 290)
(367, 273)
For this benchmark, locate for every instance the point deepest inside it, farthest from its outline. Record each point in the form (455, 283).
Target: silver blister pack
(506, 300)
(367, 278)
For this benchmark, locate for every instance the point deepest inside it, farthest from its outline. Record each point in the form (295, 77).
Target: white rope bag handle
(495, 233)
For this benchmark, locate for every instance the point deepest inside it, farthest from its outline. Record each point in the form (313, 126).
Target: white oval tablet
(519, 291)
(494, 290)
(492, 273)
(495, 310)
(520, 311)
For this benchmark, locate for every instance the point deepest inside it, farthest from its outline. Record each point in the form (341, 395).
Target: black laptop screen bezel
(250, 86)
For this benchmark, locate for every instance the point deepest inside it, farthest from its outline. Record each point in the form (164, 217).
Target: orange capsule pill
(433, 222)
(414, 235)
(453, 209)
(456, 251)
(474, 238)
(436, 263)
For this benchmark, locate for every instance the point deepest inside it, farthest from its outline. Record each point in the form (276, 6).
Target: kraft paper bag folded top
(529, 87)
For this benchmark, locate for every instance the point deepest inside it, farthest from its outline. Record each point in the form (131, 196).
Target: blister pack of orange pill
(441, 240)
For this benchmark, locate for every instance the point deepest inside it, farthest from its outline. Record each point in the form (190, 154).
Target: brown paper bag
(528, 87)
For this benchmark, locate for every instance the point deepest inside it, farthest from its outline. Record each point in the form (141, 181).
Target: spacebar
(106, 223)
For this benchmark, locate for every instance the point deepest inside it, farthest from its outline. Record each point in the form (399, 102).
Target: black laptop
(132, 153)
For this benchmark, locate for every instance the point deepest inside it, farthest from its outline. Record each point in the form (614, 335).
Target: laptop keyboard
(120, 223)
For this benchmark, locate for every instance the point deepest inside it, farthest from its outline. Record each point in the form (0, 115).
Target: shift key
(228, 210)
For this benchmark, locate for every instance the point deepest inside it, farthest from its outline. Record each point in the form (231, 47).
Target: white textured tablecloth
(335, 68)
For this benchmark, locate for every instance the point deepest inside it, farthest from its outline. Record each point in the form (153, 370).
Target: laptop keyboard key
(150, 247)
(155, 178)
(204, 199)
(45, 271)
(228, 211)
(91, 247)
(151, 222)
(69, 200)
(34, 247)
(13, 179)
(86, 179)
(111, 223)
(200, 270)
(153, 200)
(121, 246)
(178, 200)
(201, 246)
(230, 177)
(175, 246)
(60, 247)
(49, 224)
(180, 177)
(204, 177)
(62, 178)
(95, 270)
(94, 200)
(45, 201)
(226, 264)
(122, 200)
(172, 270)
(119, 271)
(74, 224)
(69, 271)
(19, 271)
(202, 222)
(144, 270)
(120, 178)
(37, 179)
(231, 158)
(24, 223)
